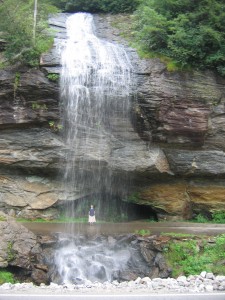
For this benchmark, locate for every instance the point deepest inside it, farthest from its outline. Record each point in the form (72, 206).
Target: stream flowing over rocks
(74, 259)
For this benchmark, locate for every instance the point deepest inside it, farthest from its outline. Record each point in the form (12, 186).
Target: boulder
(20, 249)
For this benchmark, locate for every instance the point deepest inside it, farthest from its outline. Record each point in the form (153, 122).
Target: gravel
(205, 282)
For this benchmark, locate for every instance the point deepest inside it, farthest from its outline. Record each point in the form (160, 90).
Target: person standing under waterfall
(91, 216)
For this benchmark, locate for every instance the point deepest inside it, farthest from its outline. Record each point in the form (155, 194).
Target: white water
(93, 261)
(95, 92)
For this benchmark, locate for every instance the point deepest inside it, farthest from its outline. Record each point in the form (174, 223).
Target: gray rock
(19, 248)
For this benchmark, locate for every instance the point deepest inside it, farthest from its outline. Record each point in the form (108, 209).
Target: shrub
(201, 219)
(17, 26)
(190, 32)
(218, 217)
(6, 277)
(193, 256)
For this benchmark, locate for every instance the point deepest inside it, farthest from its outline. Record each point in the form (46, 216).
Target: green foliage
(201, 219)
(59, 3)
(178, 235)
(143, 232)
(6, 277)
(54, 126)
(17, 27)
(16, 83)
(53, 77)
(134, 197)
(218, 217)
(189, 32)
(189, 257)
(10, 252)
(38, 106)
(96, 6)
(2, 218)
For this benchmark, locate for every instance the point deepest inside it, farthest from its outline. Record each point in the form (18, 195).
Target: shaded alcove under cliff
(108, 209)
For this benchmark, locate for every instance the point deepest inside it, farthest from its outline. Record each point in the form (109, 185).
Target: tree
(17, 28)
(190, 32)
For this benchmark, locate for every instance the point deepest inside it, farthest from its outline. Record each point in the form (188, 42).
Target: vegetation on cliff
(6, 276)
(188, 32)
(98, 6)
(17, 30)
(188, 256)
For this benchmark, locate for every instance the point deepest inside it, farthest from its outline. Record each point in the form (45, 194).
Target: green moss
(16, 83)
(2, 218)
(135, 197)
(37, 106)
(10, 252)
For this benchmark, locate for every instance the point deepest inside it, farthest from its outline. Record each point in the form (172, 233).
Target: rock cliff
(172, 148)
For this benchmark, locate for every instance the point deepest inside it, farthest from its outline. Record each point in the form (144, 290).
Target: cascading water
(95, 92)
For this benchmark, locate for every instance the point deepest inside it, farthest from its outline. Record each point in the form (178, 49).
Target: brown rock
(171, 198)
(185, 118)
(39, 276)
(210, 198)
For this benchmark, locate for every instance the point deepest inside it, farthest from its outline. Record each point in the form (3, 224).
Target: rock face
(20, 250)
(171, 149)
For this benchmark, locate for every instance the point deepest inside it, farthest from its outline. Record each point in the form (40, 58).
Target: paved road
(124, 228)
(205, 296)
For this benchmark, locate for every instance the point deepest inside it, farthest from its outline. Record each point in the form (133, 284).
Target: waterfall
(95, 91)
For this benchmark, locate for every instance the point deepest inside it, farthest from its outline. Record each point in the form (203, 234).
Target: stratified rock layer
(170, 149)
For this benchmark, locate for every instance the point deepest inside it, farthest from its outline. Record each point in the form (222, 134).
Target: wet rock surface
(105, 258)
(20, 250)
(76, 259)
(92, 261)
(174, 141)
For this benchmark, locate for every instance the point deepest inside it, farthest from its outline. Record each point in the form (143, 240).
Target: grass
(143, 232)
(178, 235)
(192, 256)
